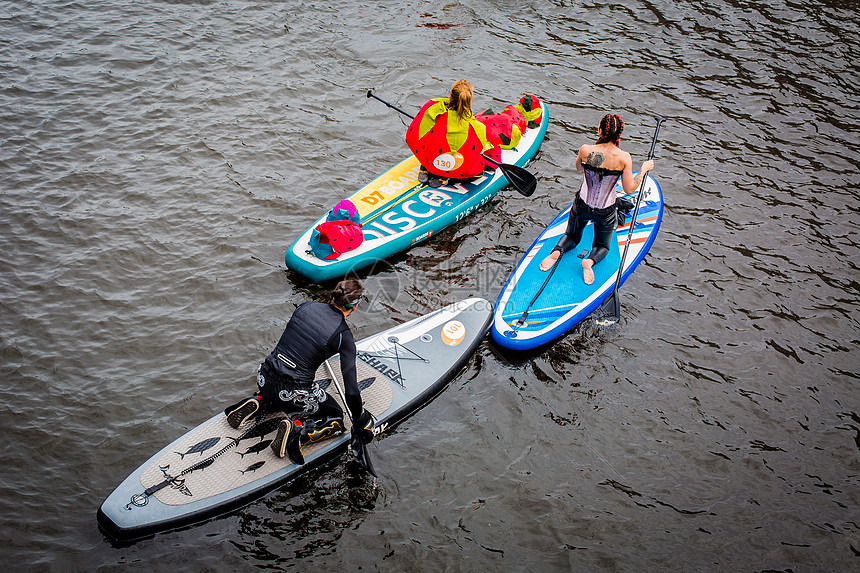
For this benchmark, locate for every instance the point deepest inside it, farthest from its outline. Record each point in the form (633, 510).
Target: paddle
(522, 320)
(524, 182)
(611, 307)
(358, 447)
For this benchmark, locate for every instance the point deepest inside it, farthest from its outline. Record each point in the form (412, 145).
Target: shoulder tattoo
(595, 158)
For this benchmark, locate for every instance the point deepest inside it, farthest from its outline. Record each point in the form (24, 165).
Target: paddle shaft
(522, 319)
(339, 391)
(494, 162)
(524, 182)
(395, 108)
(633, 220)
(365, 457)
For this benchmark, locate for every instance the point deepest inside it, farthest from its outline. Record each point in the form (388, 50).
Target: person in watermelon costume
(529, 107)
(505, 130)
(446, 137)
(449, 140)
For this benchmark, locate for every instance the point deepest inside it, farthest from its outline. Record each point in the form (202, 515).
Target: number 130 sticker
(448, 161)
(453, 333)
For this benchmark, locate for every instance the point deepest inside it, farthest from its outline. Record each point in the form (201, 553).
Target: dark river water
(157, 159)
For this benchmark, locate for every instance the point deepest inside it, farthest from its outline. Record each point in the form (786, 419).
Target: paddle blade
(521, 320)
(366, 460)
(611, 307)
(521, 180)
(359, 451)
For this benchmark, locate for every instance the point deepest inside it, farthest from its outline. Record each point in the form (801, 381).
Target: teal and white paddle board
(213, 468)
(566, 299)
(397, 211)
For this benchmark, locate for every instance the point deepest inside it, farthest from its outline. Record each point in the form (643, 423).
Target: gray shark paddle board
(214, 468)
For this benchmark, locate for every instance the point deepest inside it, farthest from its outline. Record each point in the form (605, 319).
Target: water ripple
(157, 159)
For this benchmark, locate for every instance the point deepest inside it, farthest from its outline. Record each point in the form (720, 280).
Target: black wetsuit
(601, 190)
(315, 332)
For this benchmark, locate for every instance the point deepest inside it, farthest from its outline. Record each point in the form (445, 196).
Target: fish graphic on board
(256, 448)
(260, 430)
(199, 447)
(253, 467)
(365, 384)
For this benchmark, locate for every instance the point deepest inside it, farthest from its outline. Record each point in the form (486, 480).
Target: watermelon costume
(448, 147)
(445, 145)
(504, 130)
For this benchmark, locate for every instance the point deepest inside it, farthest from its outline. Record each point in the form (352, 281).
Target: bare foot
(587, 273)
(549, 261)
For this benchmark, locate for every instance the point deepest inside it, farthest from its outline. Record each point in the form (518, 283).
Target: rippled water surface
(157, 158)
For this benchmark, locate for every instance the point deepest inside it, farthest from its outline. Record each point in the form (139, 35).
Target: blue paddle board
(397, 211)
(214, 468)
(566, 299)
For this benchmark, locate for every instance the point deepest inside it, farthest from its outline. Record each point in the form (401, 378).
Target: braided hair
(460, 99)
(347, 294)
(611, 127)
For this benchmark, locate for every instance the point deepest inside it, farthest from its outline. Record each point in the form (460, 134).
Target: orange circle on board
(449, 161)
(453, 333)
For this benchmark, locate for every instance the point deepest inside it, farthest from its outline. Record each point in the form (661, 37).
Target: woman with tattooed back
(603, 163)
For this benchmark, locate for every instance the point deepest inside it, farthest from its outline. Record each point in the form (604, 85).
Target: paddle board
(397, 211)
(214, 468)
(566, 299)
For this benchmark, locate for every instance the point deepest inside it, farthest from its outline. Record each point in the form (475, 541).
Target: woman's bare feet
(549, 261)
(587, 273)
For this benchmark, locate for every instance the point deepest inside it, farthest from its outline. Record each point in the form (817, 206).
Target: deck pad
(249, 458)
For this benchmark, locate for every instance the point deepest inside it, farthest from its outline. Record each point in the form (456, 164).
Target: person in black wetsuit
(285, 379)
(603, 164)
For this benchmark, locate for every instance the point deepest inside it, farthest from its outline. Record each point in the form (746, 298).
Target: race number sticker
(448, 161)
(453, 333)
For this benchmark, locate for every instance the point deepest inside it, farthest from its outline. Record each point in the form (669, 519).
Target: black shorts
(299, 401)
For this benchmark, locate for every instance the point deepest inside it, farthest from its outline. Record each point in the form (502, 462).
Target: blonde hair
(460, 98)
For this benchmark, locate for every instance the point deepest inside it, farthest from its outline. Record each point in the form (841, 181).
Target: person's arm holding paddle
(630, 183)
(362, 427)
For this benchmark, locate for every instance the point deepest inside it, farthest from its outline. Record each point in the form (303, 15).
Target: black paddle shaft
(522, 320)
(361, 449)
(370, 94)
(524, 182)
(612, 306)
